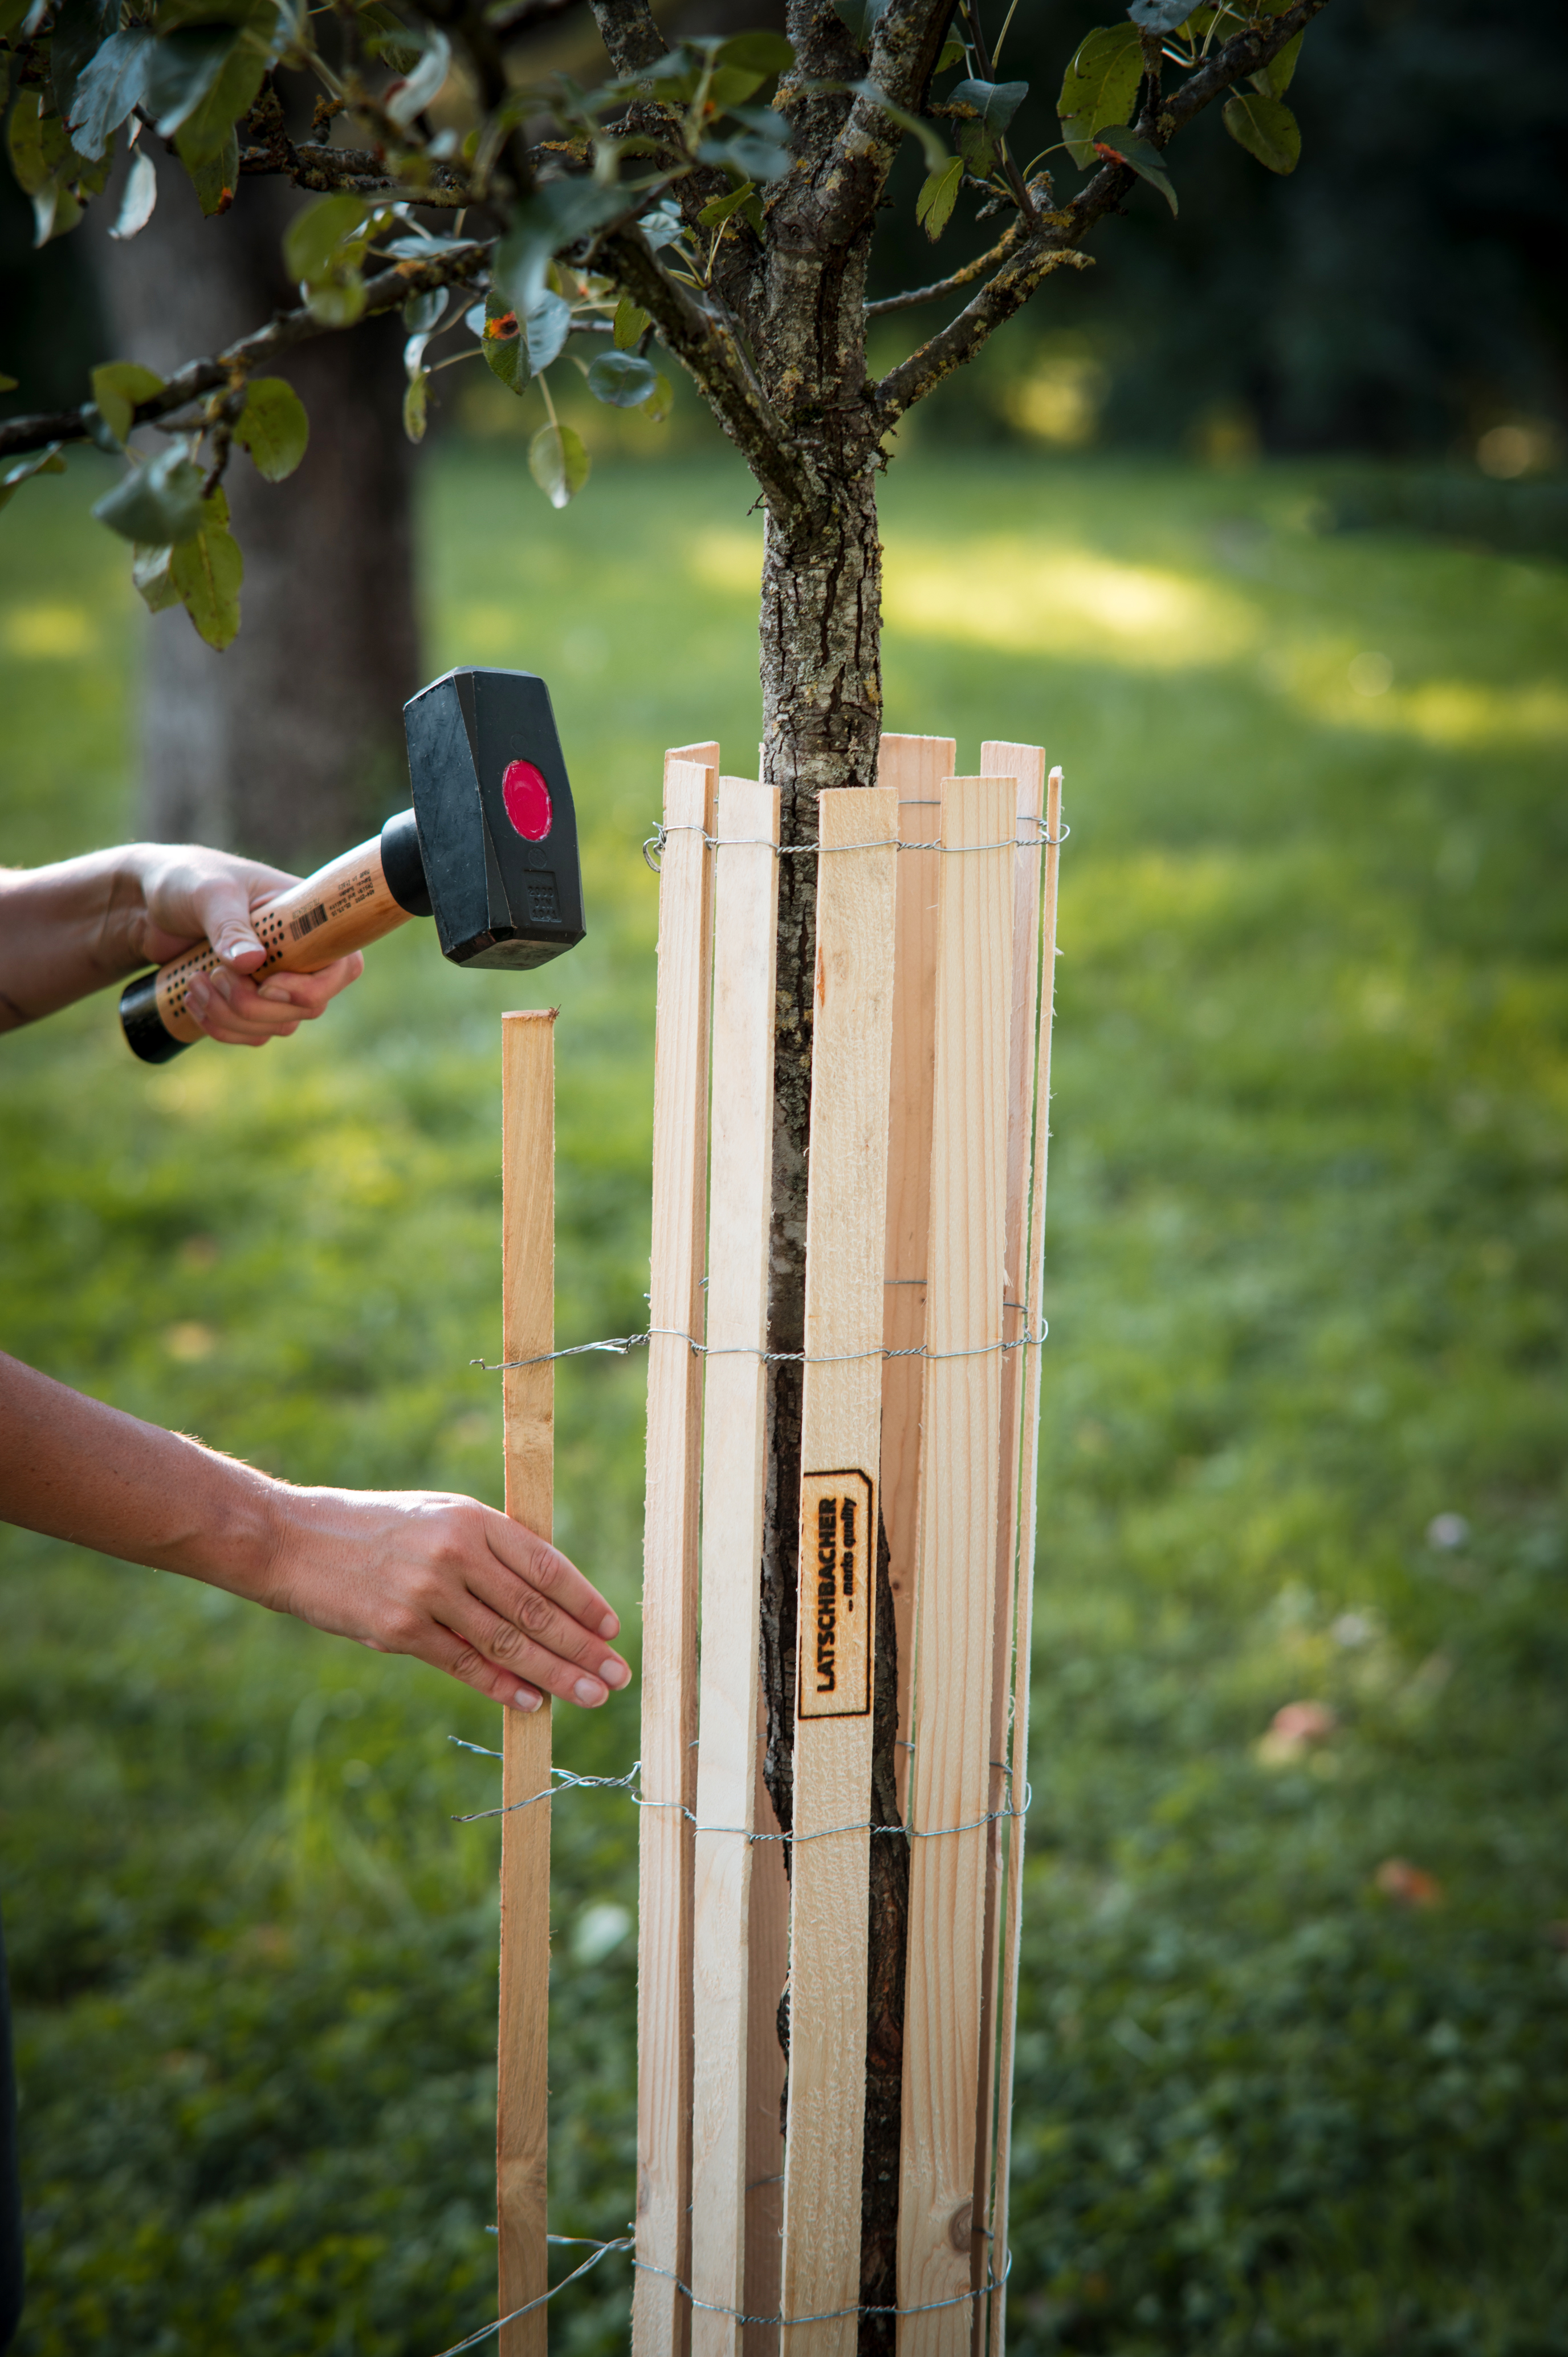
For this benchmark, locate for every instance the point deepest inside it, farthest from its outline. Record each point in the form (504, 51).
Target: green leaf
(421, 313)
(933, 206)
(214, 177)
(1276, 77)
(1126, 147)
(158, 502)
(558, 463)
(34, 154)
(424, 83)
(727, 86)
(953, 54)
(758, 53)
(184, 71)
(861, 17)
(208, 127)
(631, 324)
(314, 236)
(749, 156)
(621, 380)
(81, 26)
(138, 198)
(994, 102)
(113, 82)
(43, 462)
(1099, 87)
(273, 426)
(553, 218)
(390, 39)
(1266, 129)
(548, 326)
(659, 402)
(150, 577)
(504, 347)
(1159, 16)
(117, 387)
(415, 406)
(743, 200)
(206, 571)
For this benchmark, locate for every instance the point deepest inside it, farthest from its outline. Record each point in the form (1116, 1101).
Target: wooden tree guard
(936, 913)
(935, 922)
(527, 1324)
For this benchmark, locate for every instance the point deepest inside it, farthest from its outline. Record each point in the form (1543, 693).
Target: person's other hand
(450, 1581)
(192, 894)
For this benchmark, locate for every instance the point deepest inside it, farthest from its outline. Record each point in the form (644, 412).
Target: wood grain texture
(660, 2312)
(746, 898)
(769, 1938)
(846, 1221)
(1019, 1754)
(913, 768)
(528, 1324)
(1026, 764)
(956, 1574)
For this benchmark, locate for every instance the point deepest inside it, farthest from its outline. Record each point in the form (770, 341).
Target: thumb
(225, 908)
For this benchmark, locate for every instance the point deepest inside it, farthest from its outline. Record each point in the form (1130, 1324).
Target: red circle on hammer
(527, 799)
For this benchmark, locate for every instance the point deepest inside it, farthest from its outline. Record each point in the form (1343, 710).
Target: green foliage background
(1309, 1205)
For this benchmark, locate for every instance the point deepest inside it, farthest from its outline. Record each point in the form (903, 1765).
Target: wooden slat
(913, 768)
(846, 1219)
(955, 1578)
(1026, 764)
(660, 2313)
(769, 1938)
(528, 1324)
(745, 901)
(1019, 1751)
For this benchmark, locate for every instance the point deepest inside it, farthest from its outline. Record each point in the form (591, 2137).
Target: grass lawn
(1294, 2066)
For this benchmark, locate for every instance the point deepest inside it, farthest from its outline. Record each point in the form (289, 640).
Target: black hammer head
(498, 833)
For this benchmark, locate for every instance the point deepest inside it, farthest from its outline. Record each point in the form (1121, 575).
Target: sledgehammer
(489, 849)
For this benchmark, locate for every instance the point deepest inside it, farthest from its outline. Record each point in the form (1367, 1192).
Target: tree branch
(313, 164)
(707, 350)
(283, 331)
(999, 253)
(848, 185)
(1063, 232)
(982, 59)
(629, 34)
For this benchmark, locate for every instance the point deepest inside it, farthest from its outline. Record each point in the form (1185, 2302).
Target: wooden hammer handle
(343, 906)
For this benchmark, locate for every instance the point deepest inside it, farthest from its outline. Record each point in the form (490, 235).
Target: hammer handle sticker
(838, 1595)
(343, 906)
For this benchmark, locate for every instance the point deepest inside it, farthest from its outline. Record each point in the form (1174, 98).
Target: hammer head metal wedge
(497, 831)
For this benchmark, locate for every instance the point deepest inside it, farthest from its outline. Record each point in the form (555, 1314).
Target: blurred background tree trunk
(289, 744)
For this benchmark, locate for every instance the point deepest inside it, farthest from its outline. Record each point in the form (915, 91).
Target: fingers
(454, 1583)
(552, 1574)
(243, 1014)
(449, 1653)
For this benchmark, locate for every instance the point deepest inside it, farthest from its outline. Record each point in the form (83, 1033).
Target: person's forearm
(412, 1571)
(68, 930)
(76, 1469)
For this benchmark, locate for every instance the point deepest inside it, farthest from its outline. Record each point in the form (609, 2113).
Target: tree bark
(287, 744)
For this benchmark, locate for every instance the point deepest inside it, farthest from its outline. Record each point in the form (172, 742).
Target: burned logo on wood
(838, 1563)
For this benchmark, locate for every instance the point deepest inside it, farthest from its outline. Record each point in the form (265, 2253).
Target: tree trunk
(823, 718)
(289, 744)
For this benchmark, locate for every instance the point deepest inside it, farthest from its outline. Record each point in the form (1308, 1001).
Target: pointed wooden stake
(839, 1443)
(745, 901)
(950, 1786)
(528, 1325)
(660, 2315)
